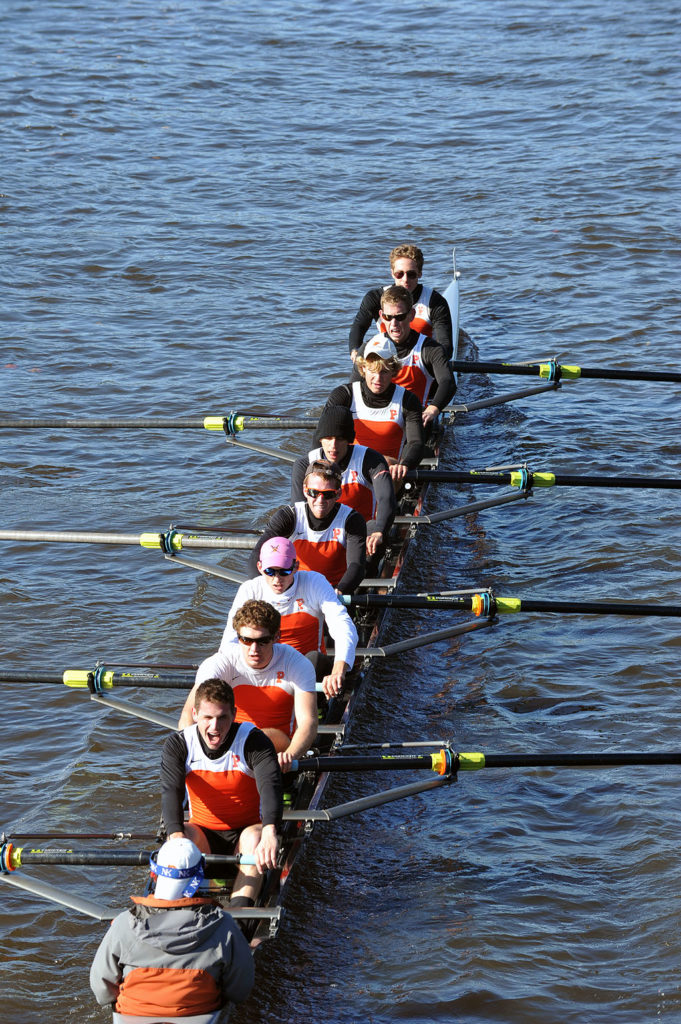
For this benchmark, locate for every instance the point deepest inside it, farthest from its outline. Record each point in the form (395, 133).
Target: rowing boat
(311, 788)
(308, 793)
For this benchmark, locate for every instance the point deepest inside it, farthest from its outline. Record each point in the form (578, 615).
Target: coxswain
(306, 602)
(431, 314)
(424, 368)
(231, 776)
(329, 537)
(387, 417)
(175, 956)
(366, 484)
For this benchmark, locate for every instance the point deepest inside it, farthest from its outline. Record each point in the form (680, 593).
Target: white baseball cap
(380, 346)
(178, 867)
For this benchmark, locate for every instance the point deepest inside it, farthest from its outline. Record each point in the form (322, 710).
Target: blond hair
(407, 252)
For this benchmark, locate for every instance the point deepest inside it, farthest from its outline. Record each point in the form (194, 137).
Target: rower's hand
(430, 413)
(333, 683)
(374, 541)
(267, 849)
(353, 354)
(398, 471)
(285, 759)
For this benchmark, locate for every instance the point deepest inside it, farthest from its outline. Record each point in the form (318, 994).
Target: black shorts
(221, 842)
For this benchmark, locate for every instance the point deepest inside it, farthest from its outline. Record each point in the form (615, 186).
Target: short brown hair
(216, 690)
(327, 470)
(396, 293)
(407, 252)
(259, 615)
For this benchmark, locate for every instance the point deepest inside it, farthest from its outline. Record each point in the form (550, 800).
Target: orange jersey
(265, 696)
(222, 792)
(356, 489)
(413, 376)
(322, 551)
(381, 429)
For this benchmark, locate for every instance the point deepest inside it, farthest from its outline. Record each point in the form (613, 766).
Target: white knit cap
(179, 869)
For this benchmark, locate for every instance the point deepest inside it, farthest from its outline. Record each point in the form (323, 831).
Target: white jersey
(265, 696)
(304, 607)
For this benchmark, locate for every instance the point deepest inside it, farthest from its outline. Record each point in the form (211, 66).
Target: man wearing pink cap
(306, 601)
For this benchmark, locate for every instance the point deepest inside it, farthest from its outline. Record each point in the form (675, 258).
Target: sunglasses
(398, 317)
(405, 273)
(278, 572)
(327, 495)
(259, 641)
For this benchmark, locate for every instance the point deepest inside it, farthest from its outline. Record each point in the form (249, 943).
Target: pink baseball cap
(277, 552)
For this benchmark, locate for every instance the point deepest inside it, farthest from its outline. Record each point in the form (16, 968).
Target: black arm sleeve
(342, 395)
(262, 759)
(435, 361)
(281, 524)
(173, 760)
(414, 441)
(441, 319)
(297, 478)
(376, 469)
(356, 554)
(366, 314)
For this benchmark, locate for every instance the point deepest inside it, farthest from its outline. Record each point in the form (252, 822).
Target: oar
(171, 541)
(554, 371)
(487, 603)
(526, 479)
(101, 678)
(41, 837)
(14, 857)
(230, 423)
(446, 761)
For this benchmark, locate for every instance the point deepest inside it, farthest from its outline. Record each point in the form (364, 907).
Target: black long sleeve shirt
(370, 307)
(260, 757)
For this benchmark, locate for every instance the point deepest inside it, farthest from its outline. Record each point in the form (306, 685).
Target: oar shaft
(15, 857)
(559, 371)
(103, 678)
(542, 479)
(488, 603)
(475, 761)
(232, 421)
(177, 541)
(373, 762)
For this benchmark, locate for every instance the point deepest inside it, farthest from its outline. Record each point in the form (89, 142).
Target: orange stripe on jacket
(168, 992)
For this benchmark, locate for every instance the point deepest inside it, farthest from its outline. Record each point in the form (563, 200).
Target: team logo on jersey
(354, 476)
(393, 413)
(300, 604)
(337, 533)
(280, 675)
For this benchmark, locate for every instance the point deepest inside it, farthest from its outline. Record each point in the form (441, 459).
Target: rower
(329, 537)
(366, 484)
(431, 314)
(387, 417)
(137, 965)
(425, 370)
(306, 602)
(231, 776)
(274, 684)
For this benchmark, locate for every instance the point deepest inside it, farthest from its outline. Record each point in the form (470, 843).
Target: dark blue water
(194, 198)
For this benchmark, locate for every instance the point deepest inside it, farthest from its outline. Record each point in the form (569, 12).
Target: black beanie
(336, 421)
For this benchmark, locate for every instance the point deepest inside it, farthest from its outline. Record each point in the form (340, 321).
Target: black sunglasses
(259, 641)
